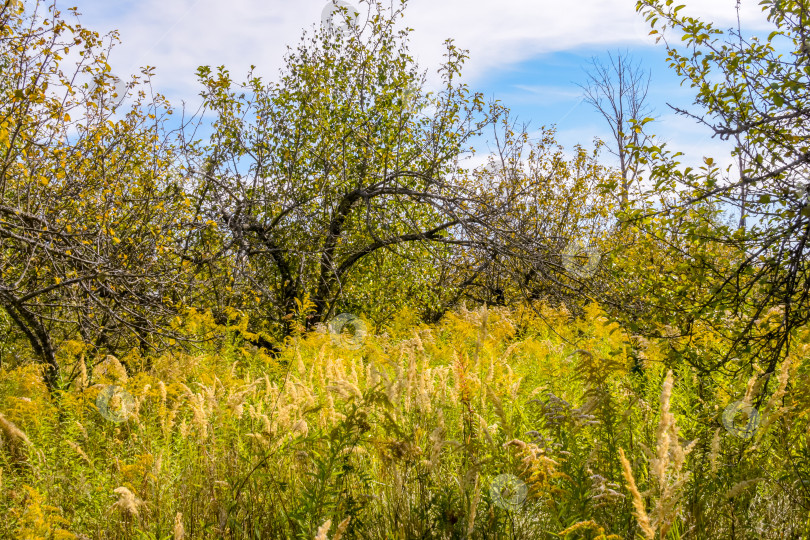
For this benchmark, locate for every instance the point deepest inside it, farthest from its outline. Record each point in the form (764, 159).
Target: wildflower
(110, 369)
(79, 451)
(323, 529)
(179, 531)
(341, 529)
(741, 486)
(715, 451)
(638, 502)
(301, 427)
(127, 502)
(81, 380)
(15, 440)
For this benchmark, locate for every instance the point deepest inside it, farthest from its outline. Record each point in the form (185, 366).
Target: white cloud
(549, 94)
(505, 32)
(176, 36)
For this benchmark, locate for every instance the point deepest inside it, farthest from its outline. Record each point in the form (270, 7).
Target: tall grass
(404, 438)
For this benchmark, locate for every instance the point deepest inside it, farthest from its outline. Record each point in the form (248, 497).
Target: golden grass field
(491, 424)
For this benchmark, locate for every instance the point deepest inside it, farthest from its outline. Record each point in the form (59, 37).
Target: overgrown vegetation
(172, 365)
(404, 437)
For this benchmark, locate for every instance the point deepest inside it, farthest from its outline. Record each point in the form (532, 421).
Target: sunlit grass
(400, 438)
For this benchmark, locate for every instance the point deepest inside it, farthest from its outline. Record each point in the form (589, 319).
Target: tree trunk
(37, 335)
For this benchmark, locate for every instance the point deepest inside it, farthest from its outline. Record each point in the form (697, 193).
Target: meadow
(344, 302)
(495, 423)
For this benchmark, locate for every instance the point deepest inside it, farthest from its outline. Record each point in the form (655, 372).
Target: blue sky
(529, 54)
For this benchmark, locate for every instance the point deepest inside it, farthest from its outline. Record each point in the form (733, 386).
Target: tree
(345, 172)
(752, 91)
(557, 206)
(618, 91)
(88, 203)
